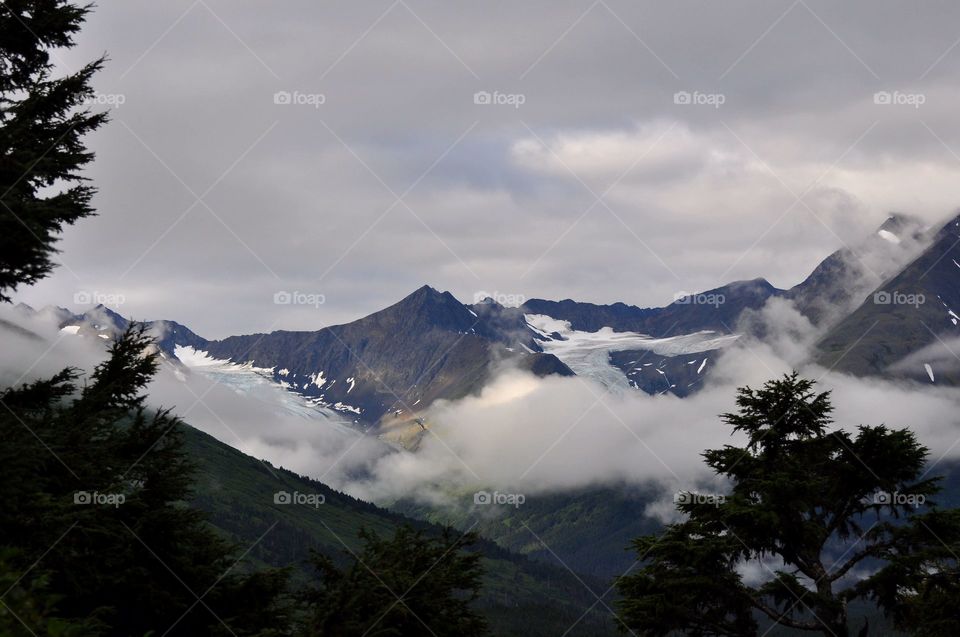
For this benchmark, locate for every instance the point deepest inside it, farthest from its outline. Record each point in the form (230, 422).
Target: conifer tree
(405, 585)
(828, 517)
(43, 120)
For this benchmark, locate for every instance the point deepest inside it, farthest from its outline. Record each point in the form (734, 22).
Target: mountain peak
(427, 294)
(899, 226)
(425, 289)
(426, 304)
(897, 221)
(101, 310)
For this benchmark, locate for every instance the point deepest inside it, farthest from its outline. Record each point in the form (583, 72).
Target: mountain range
(876, 306)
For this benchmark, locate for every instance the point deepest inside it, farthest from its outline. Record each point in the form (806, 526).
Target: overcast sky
(589, 181)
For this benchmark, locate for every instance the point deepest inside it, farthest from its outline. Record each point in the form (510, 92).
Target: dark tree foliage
(28, 607)
(406, 585)
(811, 506)
(42, 123)
(94, 487)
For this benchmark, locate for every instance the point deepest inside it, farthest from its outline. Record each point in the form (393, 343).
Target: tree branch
(784, 618)
(869, 551)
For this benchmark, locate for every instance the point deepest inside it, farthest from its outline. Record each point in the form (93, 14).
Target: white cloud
(299, 209)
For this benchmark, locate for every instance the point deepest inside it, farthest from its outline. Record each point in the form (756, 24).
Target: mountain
(384, 369)
(841, 281)
(102, 322)
(426, 346)
(908, 313)
(713, 310)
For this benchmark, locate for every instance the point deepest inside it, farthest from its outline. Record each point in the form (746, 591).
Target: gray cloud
(521, 434)
(295, 195)
(535, 436)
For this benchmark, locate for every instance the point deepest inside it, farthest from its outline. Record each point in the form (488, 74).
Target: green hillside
(520, 597)
(588, 529)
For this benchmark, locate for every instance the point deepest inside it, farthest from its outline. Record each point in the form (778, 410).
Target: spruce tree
(409, 584)
(43, 120)
(828, 517)
(95, 489)
(96, 537)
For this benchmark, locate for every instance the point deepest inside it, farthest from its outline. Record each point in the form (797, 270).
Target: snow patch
(545, 325)
(343, 407)
(588, 353)
(889, 236)
(318, 379)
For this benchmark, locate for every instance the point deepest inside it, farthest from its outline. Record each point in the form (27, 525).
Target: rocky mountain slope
(907, 322)
(879, 304)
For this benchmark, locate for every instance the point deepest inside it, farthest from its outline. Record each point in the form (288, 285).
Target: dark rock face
(839, 283)
(716, 310)
(907, 312)
(656, 374)
(425, 347)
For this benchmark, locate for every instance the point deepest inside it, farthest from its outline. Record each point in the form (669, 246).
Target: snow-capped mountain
(398, 360)
(880, 304)
(907, 326)
(840, 283)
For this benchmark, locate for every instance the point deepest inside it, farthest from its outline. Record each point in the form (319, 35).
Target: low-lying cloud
(521, 434)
